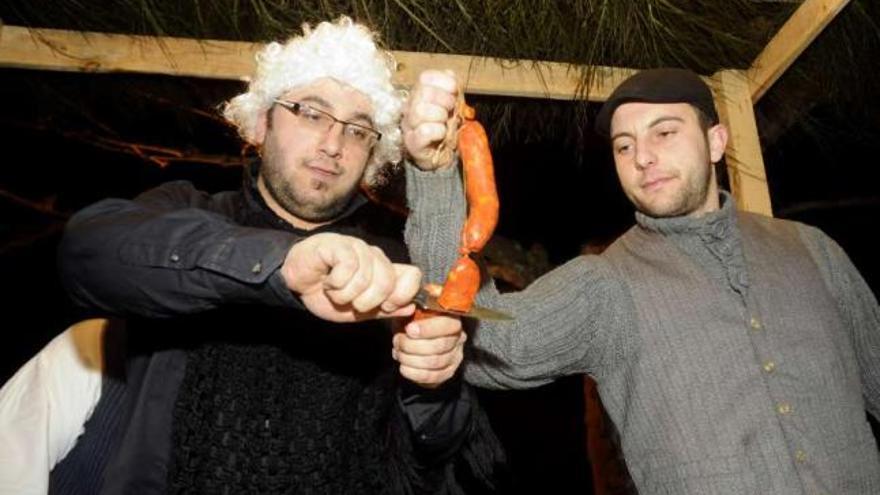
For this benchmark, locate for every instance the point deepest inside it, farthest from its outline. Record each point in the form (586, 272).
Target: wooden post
(745, 164)
(789, 42)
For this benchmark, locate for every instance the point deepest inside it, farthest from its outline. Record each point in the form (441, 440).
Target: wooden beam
(54, 49)
(745, 164)
(80, 51)
(789, 42)
(526, 78)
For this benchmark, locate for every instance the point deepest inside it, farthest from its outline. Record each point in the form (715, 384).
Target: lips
(653, 183)
(324, 170)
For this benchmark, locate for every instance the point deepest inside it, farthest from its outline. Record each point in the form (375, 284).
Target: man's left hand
(429, 125)
(430, 350)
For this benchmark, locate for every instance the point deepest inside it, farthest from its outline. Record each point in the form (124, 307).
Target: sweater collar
(715, 223)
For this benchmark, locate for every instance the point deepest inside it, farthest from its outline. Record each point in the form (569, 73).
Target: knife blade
(427, 301)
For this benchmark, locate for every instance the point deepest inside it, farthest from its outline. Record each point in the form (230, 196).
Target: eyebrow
(658, 120)
(619, 135)
(665, 118)
(359, 116)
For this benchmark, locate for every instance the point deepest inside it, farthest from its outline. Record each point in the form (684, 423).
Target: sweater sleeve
(173, 250)
(857, 304)
(564, 323)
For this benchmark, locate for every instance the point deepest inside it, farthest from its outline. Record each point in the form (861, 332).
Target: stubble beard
(690, 197)
(295, 198)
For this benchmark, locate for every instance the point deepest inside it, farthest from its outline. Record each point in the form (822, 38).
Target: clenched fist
(342, 278)
(429, 120)
(430, 350)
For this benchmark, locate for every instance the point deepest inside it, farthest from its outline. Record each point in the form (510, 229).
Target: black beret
(658, 86)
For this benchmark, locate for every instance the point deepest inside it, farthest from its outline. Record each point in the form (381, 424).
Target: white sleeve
(45, 405)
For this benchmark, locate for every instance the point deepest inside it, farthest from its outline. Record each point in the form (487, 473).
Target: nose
(332, 143)
(645, 157)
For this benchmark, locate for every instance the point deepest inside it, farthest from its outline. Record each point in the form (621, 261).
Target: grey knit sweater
(735, 353)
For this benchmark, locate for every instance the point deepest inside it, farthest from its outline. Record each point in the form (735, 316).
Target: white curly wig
(341, 50)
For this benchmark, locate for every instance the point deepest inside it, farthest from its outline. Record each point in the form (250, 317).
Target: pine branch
(45, 206)
(28, 240)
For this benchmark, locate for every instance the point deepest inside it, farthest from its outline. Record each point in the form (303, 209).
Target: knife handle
(422, 314)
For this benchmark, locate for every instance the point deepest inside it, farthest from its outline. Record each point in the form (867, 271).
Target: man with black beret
(736, 353)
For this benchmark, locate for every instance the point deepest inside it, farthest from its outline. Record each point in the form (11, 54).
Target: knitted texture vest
(740, 375)
(304, 408)
(252, 420)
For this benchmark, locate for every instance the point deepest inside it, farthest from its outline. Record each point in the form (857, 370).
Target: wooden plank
(54, 49)
(745, 164)
(526, 78)
(789, 42)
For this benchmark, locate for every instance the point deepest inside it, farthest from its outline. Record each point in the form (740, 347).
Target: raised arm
(566, 322)
(175, 250)
(172, 250)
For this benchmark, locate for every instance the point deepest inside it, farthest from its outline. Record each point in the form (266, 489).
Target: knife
(426, 300)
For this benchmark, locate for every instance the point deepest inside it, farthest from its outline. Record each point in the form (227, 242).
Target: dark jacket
(225, 383)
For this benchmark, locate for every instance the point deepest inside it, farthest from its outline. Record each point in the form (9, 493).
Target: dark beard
(693, 195)
(283, 194)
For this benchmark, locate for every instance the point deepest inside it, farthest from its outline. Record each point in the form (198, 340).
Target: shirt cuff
(439, 417)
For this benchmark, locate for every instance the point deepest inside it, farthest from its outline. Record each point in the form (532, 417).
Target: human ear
(260, 129)
(717, 137)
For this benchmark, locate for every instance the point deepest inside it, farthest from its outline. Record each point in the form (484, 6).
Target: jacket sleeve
(439, 418)
(171, 251)
(566, 322)
(454, 447)
(857, 304)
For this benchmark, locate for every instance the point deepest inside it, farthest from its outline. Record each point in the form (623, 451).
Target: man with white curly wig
(256, 351)
(339, 61)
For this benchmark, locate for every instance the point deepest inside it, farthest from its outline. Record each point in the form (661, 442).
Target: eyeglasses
(353, 135)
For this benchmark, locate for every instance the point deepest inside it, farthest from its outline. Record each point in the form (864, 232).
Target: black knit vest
(255, 419)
